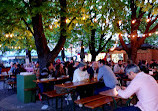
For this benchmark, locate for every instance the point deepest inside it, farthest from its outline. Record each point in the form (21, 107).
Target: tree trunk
(40, 40)
(92, 45)
(28, 55)
(44, 53)
(92, 41)
(93, 56)
(132, 54)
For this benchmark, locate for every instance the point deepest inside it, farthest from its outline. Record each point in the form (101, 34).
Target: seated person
(12, 68)
(36, 70)
(48, 71)
(108, 76)
(93, 71)
(119, 68)
(80, 74)
(144, 86)
(59, 70)
(143, 67)
(153, 64)
(16, 70)
(21, 68)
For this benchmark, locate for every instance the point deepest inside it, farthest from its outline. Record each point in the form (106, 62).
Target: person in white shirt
(144, 86)
(119, 68)
(80, 73)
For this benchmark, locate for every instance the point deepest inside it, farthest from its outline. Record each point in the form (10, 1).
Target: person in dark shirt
(143, 67)
(16, 69)
(59, 70)
(48, 71)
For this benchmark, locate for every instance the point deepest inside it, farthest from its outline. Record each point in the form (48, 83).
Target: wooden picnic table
(73, 86)
(76, 84)
(2, 76)
(111, 92)
(114, 94)
(47, 80)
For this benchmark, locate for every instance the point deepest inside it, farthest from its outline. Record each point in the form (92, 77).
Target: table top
(119, 73)
(76, 84)
(46, 80)
(111, 92)
(1, 75)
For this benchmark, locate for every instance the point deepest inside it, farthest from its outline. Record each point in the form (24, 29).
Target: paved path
(9, 102)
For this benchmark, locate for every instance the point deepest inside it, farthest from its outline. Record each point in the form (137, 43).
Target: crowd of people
(107, 73)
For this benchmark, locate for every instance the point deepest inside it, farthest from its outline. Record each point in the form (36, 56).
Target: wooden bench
(99, 102)
(93, 102)
(54, 94)
(89, 99)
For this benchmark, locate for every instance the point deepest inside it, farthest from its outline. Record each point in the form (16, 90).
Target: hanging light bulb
(147, 20)
(67, 20)
(11, 35)
(150, 34)
(51, 27)
(84, 18)
(120, 34)
(143, 35)
(133, 21)
(156, 32)
(120, 21)
(95, 20)
(129, 36)
(7, 35)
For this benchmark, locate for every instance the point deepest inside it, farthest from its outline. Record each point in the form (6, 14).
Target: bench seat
(98, 103)
(52, 94)
(89, 99)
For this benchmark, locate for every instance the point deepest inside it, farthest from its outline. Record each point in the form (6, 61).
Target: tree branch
(75, 17)
(100, 49)
(123, 43)
(154, 29)
(102, 35)
(27, 25)
(141, 41)
(149, 24)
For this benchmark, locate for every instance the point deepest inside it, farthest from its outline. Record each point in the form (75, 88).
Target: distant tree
(98, 24)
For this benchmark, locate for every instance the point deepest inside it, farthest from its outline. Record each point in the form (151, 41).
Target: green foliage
(153, 40)
(107, 13)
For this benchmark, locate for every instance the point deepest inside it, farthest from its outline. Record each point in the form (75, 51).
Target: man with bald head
(93, 71)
